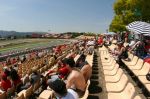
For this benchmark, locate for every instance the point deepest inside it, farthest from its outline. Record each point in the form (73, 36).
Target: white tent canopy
(109, 33)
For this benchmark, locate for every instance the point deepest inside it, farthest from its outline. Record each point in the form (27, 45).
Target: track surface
(21, 44)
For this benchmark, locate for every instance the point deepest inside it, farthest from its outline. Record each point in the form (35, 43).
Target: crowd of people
(134, 45)
(68, 78)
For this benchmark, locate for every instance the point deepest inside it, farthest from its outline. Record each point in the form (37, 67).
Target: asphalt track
(22, 44)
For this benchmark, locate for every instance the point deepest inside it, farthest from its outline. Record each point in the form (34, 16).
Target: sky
(56, 16)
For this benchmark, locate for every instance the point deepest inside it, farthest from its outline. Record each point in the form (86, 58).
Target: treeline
(127, 11)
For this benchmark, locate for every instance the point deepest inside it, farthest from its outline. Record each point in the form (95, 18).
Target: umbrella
(139, 27)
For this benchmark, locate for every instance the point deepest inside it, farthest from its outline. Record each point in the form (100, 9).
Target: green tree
(127, 11)
(117, 24)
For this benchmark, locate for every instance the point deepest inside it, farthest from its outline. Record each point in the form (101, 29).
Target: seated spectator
(52, 59)
(86, 69)
(8, 61)
(60, 90)
(15, 78)
(132, 43)
(44, 82)
(81, 61)
(35, 76)
(26, 81)
(6, 71)
(5, 83)
(123, 54)
(18, 58)
(147, 46)
(16, 67)
(139, 49)
(75, 79)
(100, 41)
(90, 46)
(23, 58)
(62, 71)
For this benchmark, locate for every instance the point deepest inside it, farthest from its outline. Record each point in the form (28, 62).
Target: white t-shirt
(90, 43)
(70, 95)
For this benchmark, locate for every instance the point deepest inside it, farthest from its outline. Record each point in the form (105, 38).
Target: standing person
(75, 80)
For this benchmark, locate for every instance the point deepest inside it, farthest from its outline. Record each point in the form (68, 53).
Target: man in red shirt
(5, 83)
(62, 70)
(100, 40)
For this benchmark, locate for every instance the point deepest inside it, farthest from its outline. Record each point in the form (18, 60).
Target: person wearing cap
(75, 79)
(60, 90)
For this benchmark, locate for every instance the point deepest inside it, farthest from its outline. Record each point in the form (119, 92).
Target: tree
(127, 11)
(117, 24)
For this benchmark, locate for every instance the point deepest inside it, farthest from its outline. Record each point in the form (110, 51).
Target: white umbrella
(139, 27)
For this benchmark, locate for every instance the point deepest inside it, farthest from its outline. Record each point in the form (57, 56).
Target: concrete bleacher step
(131, 81)
(95, 90)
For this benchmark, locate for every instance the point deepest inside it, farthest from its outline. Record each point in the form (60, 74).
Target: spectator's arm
(69, 82)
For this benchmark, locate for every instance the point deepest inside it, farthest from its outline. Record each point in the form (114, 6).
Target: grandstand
(109, 80)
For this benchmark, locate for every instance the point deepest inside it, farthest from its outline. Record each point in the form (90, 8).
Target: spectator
(123, 54)
(6, 71)
(139, 49)
(100, 41)
(23, 58)
(26, 81)
(75, 79)
(35, 76)
(60, 90)
(8, 61)
(5, 83)
(52, 59)
(86, 69)
(62, 71)
(15, 77)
